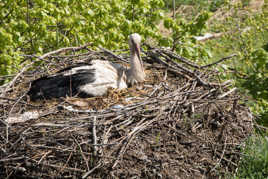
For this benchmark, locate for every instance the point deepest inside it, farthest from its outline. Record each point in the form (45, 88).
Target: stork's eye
(132, 41)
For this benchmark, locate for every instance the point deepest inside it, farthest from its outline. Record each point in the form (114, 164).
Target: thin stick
(182, 59)
(44, 156)
(114, 55)
(15, 79)
(90, 171)
(208, 36)
(81, 151)
(95, 148)
(62, 50)
(219, 61)
(223, 152)
(227, 93)
(60, 167)
(19, 99)
(12, 159)
(22, 102)
(174, 8)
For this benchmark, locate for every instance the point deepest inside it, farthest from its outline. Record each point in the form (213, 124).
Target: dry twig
(172, 125)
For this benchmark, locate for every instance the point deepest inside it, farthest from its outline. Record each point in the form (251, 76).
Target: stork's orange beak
(138, 51)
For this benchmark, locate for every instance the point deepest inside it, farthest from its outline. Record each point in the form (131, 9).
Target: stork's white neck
(136, 72)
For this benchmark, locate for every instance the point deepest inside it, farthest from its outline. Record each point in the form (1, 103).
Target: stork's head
(134, 39)
(134, 44)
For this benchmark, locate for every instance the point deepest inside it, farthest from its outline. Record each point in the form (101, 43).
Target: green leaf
(168, 22)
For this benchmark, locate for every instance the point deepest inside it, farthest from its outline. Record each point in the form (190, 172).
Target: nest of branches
(181, 122)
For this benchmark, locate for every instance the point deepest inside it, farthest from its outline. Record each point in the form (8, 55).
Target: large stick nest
(181, 122)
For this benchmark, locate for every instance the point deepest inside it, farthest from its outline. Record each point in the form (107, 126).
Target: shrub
(254, 162)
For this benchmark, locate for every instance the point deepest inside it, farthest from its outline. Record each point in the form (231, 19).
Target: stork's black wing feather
(61, 85)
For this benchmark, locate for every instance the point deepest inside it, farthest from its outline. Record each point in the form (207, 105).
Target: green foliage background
(254, 163)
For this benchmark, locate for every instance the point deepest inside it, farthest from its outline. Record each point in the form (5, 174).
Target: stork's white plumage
(91, 79)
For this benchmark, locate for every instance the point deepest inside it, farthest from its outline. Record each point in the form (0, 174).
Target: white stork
(91, 79)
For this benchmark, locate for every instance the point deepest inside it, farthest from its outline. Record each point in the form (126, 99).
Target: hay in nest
(180, 123)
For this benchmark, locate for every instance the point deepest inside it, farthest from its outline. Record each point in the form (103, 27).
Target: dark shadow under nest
(181, 123)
